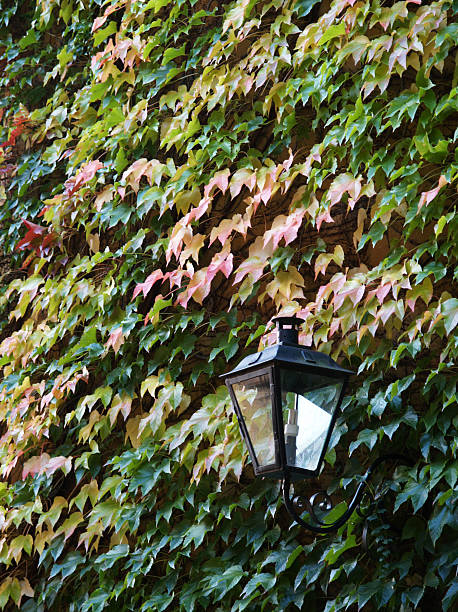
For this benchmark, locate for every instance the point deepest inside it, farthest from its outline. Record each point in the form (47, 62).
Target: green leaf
(264, 580)
(332, 32)
(196, 534)
(449, 309)
(108, 559)
(437, 523)
(102, 34)
(451, 595)
(338, 549)
(171, 54)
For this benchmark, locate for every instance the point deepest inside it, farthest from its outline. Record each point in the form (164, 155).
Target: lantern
(287, 398)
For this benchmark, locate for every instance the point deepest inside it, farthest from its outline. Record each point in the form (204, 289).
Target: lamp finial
(288, 329)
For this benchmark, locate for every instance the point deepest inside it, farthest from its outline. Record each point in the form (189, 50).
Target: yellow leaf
(132, 429)
(93, 241)
(192, 249)
(121, 403)
(103, 197)
(26, 589)
(150, 384)
(362, 216)
(70, 524)
(339, 255)
(43, 538)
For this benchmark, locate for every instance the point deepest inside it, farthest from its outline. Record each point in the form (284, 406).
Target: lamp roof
(288, 354)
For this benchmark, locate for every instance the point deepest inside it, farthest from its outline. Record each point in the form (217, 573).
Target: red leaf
(38, 238)
(33, 227)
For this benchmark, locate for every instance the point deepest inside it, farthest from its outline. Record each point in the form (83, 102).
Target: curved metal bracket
(325, 503)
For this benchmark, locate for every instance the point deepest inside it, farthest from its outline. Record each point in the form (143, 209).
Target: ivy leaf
(450, 595)
(170, 54)
(18, 544)
(115, 340)
(108, 559)
(264, 580)
(44, 464)
(70, 524)
(437, 523)
(428, 196)
(196, 534)
(332, 32)
(449, 310)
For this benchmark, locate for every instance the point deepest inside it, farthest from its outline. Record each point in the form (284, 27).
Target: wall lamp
(287, 399)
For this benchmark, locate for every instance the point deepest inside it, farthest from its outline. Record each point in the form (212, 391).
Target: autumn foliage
(173, 175)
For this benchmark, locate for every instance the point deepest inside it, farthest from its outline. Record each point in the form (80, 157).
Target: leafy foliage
(183, 171)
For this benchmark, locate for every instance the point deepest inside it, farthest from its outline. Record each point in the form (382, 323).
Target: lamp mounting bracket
(323, 501)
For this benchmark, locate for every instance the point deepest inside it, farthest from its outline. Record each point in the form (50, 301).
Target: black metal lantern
(287, 399)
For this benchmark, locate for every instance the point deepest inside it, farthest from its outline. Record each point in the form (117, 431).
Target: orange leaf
(83, 176)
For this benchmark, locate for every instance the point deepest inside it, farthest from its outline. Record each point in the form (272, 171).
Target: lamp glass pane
(308, 404)
(255, 403)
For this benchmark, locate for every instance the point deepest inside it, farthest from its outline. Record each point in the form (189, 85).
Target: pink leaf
(43, 464)
(243, 177)
(285, 227)
(175, 278)
(221, 262)
(116, 340)
(98, 22)
(220, 180)
(145, 287)
(198, 288)
(325, 216)
(344, 183)
(428, 196)
(382, 292)
(254, 265)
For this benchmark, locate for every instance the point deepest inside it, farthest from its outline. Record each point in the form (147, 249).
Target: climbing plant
(172, 175)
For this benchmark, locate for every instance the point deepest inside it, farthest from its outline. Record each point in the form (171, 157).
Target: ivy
(172, 175)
